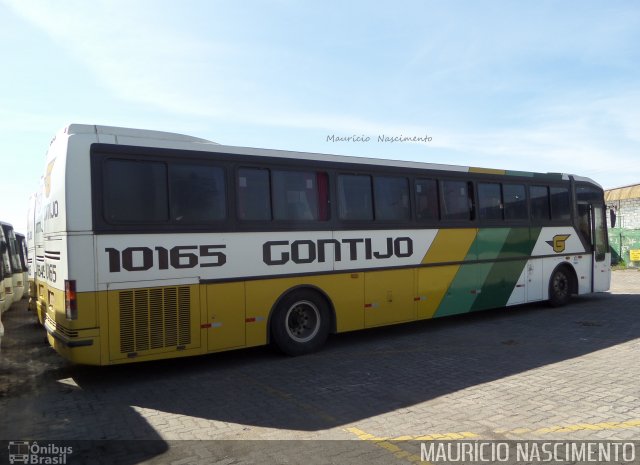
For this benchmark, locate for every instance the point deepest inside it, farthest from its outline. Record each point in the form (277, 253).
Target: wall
(627, 212)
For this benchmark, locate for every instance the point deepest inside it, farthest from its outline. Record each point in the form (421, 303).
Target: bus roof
(137, 137)
(129, 132)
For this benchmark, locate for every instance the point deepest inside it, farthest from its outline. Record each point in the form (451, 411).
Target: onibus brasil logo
(33, 453)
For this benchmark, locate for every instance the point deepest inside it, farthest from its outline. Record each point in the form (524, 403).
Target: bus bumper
(80, 348)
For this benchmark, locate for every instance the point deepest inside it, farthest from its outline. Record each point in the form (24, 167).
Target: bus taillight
(70, 303)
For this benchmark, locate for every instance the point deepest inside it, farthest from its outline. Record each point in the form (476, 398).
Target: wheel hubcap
(302, 321)
(560, 285)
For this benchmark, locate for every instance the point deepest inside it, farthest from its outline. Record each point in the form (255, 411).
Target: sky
(550, 86)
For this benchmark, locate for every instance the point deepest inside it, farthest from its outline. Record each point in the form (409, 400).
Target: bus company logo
(33, 453)
(47, 178)
(559, 242)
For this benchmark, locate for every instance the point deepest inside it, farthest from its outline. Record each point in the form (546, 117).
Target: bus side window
(299, 195)
(426, 199)
(457, 200)
(560, 203)
(515, 202)
(135, 192)
(391, 198)
(539, 203)
(355, 200)
(198, 193)
(584, 222)
(489, 201)
(254, 194)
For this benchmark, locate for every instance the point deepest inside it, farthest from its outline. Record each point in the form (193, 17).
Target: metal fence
(625, 246)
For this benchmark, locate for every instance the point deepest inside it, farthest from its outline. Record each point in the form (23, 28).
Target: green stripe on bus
(485, 285)
(463, 289)
(503, 277)
(499, 284)
(490, 242)
(541, 176)
(519, 173)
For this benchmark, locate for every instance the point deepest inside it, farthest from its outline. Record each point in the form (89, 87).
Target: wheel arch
(573, 277)
(321, 293)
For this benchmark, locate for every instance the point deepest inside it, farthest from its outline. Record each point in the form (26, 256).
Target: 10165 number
(179, 257)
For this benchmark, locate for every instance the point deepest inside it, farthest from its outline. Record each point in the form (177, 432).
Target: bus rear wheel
(560, 287)
(300, 324)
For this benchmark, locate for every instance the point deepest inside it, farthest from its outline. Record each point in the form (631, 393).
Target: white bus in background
(23, 254)
(2, 301)
(6, 296)
(31, 250)
(14, 262)
(35, 253)
(38, 300)
(4, 304)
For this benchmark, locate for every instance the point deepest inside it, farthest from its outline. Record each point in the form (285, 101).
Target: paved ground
(528, 373)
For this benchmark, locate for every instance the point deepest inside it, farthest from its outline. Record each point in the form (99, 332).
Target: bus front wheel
(300, 324)
(560, 287)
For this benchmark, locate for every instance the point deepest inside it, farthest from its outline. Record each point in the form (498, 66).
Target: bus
(17, 272)
(38, 301)
(21, 242)
(5, 301)
(160, 245)
(31, 252)
(35, 253)
(8, 285)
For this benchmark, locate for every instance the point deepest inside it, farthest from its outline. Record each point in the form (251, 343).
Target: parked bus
(41, 299)
(4, 269)
(7, 275)
(35, 253)
(14, 261)
(21, 242)
(160, 245)
(31, 251)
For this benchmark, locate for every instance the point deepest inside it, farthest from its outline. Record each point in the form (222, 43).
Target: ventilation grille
(154, 319)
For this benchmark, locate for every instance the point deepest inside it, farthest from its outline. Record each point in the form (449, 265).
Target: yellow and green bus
(160, 245)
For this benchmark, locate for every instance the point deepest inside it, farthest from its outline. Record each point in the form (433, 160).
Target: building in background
(623, 220)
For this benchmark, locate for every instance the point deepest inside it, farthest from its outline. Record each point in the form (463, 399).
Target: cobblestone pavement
(531, 372)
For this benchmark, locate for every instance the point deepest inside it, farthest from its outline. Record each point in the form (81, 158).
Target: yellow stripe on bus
(486, 170)
(449, 245)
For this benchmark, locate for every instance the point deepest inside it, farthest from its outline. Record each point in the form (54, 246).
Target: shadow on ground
(356, 376)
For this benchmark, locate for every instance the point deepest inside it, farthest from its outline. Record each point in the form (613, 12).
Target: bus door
(593, 226)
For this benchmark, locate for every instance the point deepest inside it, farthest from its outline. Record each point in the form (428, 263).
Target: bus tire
(560, 287)
(301, 322)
